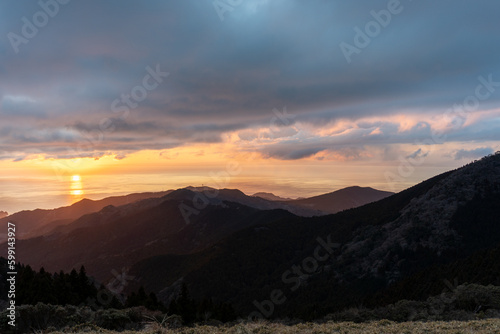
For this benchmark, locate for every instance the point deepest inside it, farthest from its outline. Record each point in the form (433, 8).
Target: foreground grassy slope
(489, 326)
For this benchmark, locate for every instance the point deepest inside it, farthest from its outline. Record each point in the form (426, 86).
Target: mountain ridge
(239, 254)
(113, 222)
(270, 196)
(36, 222)
(342, 199)
(370, 258)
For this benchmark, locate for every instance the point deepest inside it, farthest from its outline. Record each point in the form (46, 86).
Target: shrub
(466, 302)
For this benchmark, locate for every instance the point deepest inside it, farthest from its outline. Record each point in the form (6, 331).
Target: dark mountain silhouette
(270, 196)
(334, 202)
(148, 225)
(443, 225)
(239, 249)
(235, 195)
(64, 243)
(342, 199)
(482, 267)
(37, 222)
(120, 236)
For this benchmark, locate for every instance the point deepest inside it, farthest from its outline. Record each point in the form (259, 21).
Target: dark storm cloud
(229, 75)
(294, 154)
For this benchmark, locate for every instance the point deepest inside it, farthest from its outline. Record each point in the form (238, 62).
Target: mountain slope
(37, 222)
(482, 267)
(442, 220)
(342, 199)
(120, 236)
(124, 234)
(261, 254)
(235, 195)
(270, 196)
(234, 251)
(334, 202)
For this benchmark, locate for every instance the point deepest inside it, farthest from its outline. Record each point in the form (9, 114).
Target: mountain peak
(84, 201)
(270, 196)
(342, 199)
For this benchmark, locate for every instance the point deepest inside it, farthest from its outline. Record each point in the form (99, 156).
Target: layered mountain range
(350, 247)
(123, 229)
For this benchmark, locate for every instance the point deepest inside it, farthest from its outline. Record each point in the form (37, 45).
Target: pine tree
(185, 306)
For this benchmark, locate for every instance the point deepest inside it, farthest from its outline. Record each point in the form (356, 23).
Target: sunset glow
(222, 165)
(296, 116)
(76, 187)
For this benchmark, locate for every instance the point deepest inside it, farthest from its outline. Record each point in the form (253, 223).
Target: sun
(76, 186)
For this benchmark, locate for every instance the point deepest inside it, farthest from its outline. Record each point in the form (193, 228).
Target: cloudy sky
(305, 96)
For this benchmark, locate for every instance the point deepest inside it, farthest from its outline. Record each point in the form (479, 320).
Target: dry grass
(488, 326)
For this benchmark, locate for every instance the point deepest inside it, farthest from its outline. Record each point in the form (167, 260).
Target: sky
(293, 97)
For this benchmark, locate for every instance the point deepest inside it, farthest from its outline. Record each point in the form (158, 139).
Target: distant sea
(18, 194)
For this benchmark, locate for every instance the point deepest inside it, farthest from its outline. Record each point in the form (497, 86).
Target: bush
(473, 297)
(113, 319)
(466, 302)
(40, 317)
